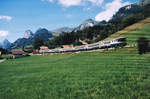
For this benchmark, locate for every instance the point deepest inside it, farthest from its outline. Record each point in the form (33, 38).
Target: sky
(17, 16)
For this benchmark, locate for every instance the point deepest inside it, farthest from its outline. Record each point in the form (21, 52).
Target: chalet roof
(43, 47)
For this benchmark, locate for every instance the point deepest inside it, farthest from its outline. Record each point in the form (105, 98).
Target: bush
(143, 45)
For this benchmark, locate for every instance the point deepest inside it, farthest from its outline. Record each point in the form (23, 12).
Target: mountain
(26, 40)
(143, 2)
(83, 25)
(29, 37)
(126, 11)
(132, 9)
(28, 34)
(101, 23)
(62, 30)
(1, 46)
(21, 42)
(5, 44)
(89, 23)
(43, 34)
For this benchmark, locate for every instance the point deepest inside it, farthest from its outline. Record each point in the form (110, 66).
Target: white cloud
(98, 2)
(8, 18)
(3, 33)
(68, 3)
(110, 9)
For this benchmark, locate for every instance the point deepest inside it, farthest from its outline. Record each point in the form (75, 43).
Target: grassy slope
(134, 31)
(118, 74)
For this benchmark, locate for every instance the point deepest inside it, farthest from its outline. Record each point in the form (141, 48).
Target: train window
(121, 39)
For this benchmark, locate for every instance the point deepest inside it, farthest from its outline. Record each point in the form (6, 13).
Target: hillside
(134, 31)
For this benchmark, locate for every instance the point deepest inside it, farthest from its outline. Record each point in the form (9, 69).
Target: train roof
(114, 39)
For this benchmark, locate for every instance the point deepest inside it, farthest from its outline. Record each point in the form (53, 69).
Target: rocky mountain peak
(88, 22)
(6, 41)
(28, 34)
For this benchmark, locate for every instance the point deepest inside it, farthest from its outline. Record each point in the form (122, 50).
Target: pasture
(118, 74)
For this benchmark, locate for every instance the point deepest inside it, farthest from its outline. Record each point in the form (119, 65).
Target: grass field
(120, 74)
(114, 74)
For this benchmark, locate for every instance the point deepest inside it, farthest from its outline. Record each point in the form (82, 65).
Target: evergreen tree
(143, 45)
(37, 43)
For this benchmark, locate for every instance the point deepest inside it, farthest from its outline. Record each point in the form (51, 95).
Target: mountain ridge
(29, 37)
(85, 24)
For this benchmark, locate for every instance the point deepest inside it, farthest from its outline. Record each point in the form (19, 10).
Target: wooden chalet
(44, 50)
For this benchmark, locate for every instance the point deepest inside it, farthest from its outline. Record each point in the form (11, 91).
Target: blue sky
(17, 16)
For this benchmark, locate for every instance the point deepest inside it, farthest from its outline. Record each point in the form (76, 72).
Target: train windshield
(122, 39)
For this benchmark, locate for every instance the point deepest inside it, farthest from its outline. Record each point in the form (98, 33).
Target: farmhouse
(18, 53)
(44, 50)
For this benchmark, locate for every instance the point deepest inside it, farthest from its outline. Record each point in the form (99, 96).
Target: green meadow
(133, 32)
(133, 35)
(111, 74)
